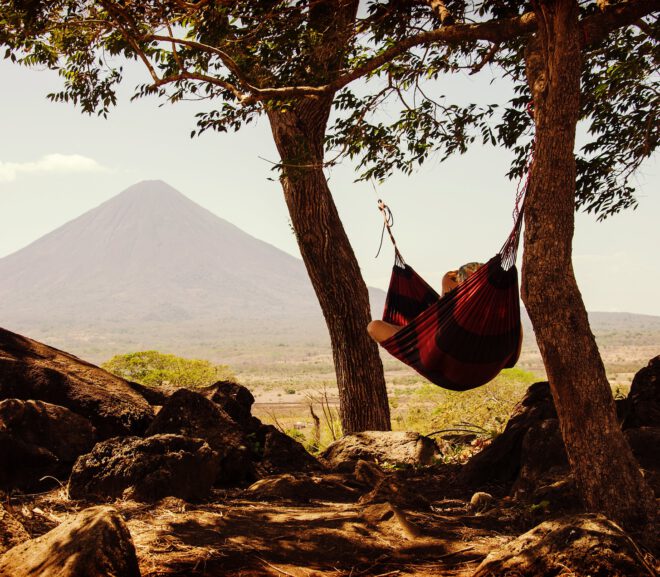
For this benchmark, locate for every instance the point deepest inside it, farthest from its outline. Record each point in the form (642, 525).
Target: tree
(155, 368)
(242, 53)
(606, 471)
(290, 58)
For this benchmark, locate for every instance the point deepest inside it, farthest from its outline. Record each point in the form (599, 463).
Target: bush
(155, 368)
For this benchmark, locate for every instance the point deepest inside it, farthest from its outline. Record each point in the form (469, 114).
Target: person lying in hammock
(381, 331)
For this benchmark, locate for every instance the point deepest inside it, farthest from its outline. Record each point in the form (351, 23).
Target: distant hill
(150, 254)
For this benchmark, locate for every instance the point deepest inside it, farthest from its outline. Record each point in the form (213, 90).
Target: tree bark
(606, 473)
(299, 132)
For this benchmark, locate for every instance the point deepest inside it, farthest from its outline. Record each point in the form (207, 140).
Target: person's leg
(381, 331)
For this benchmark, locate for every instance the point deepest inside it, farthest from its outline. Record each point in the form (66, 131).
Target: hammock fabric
(463, 339)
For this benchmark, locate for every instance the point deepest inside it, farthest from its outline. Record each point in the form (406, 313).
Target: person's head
(467, 270)
(455, 277)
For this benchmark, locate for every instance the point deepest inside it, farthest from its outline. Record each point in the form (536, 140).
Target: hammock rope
(388, 223)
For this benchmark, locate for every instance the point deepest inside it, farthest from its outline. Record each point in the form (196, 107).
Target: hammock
(463, 339)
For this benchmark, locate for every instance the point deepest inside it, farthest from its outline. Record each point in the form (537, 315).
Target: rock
(387, 517)
(643, 402)
(95, 543)
(543, 457)
(386, 488)
(397, 448)
(368, 473)
(303, 488)
(481, 501)
(394, 490)
(500, 462)
(282, 454)
(236, 400)
(22, 465)
(645, 445)
(38, 439)
(556, 494)
(146, 469)
(573, 545)
(191, 414)
(12, 533)
(32, 370)
(155, 396)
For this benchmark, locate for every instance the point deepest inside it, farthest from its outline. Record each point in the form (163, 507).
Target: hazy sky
(56, 163)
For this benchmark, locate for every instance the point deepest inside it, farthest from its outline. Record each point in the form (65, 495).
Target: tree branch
(227, 60)
(595, 28)
(242, 97)
(644, 27)
(117, 16)
(441, 11)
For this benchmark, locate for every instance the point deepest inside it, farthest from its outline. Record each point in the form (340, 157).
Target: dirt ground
(232, 535)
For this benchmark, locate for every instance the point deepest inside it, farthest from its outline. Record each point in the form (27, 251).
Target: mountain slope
(151, 254)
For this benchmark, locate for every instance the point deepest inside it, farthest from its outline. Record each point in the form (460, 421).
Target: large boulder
(584, 544)
(279, 453)
(500, 462)
(302, 488)
(154, 395)
(12, 533)
(95, 543)
(645, 443)
(236, 400)
(38, 439)
(402, 448)
(146, 469)
(32, 370)
(543, 457)
(643, 402)
(191, 414)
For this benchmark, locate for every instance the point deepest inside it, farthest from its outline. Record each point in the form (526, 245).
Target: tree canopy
(256, 56)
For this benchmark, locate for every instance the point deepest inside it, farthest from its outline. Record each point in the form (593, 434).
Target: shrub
(155, 368)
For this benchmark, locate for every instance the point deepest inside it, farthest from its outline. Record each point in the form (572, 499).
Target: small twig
(389, 573)
(461, 430)
(271, 414)
(316, 435)
(486, 59)
(276, 568)
(54, 479)
(455, 553)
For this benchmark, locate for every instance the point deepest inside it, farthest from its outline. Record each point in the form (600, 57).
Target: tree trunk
(606, 473)
(333, 269)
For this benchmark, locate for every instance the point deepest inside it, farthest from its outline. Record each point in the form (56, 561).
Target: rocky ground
(105, 477)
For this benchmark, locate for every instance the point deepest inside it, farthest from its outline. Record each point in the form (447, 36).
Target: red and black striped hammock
(463, 339)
